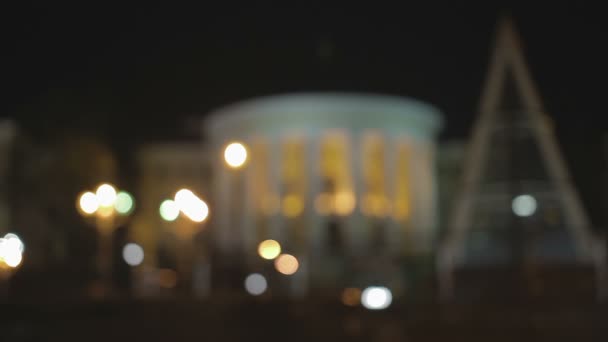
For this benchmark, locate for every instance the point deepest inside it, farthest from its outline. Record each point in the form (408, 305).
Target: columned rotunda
(348, 175)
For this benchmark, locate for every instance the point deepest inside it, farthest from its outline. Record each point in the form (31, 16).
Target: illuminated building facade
(332, 177)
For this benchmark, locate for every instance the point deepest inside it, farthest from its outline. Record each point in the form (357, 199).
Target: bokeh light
(106, 195)
(269, 249)
(235, 154)
(524, 205)
(376, 298)
(88, 203)
(169, 210)
(124, 203)
(133, 254)
(286, 264)
(293, 205)
(351, 296)
(11, 250)
(344, 203)
(193, 207)
(255, 284)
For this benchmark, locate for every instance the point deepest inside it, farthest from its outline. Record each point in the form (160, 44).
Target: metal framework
(508, 64)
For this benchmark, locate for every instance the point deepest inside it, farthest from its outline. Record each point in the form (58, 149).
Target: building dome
(334, 175)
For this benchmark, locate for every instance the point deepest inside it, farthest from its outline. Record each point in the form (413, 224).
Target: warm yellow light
(374, 205)
(351, 296)
(88, 203)
(292, 205)
(344, 203)
(269, 249)
(286, 264)
(193, 207)
(106, 195)
(235, 154)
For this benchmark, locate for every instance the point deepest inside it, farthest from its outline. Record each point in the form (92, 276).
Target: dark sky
(124, 69)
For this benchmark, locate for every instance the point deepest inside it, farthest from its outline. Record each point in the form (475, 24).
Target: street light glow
(286, 264)
(235, 154)
(193, 207)
(124, 203)
(169, 210)
(269, 249)
(133, 254)
(106, 195)
(376, 298)
(88, 203)
(11, 250)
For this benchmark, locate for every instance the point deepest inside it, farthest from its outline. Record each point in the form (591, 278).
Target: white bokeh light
(88, 203)
(193, 207)
(524, 205)
(255, 284)
(11, 250)
(133, 254)
(376, 298)
(169, 210)
(106, 195)
(235, 154)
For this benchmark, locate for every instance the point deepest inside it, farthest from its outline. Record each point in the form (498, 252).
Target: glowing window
(374, 201)
(402, 200)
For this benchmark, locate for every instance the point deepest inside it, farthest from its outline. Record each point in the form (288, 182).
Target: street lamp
(190, 206)
(106, 209)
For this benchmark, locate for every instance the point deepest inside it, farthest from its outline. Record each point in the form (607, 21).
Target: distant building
(165, 168)
(339, 180)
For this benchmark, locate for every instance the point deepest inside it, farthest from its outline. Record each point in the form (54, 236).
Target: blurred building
(345, 182)
(169, 242)
(7, 134)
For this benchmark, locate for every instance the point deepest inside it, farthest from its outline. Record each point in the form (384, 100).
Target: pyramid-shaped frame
(510, 97)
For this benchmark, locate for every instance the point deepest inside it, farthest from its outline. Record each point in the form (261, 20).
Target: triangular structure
(513, 154)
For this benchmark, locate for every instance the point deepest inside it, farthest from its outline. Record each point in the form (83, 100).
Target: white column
(248, 231)
(222, 205)
(356, 232)
(414, 237)
(316, 237)
(394, 236)
(275, 230)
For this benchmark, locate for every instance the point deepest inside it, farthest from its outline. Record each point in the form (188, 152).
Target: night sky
(111, 70)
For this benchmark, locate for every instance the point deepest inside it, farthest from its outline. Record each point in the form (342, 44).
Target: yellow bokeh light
(235, 154)
(344, 203)
(88, 203)
(351, 296)
(269, 249)
(106, 195)
(293, 205)
(286, 264)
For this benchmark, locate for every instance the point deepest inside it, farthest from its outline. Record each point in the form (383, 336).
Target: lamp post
(195, 211)
(106, 209)
(11, 255)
